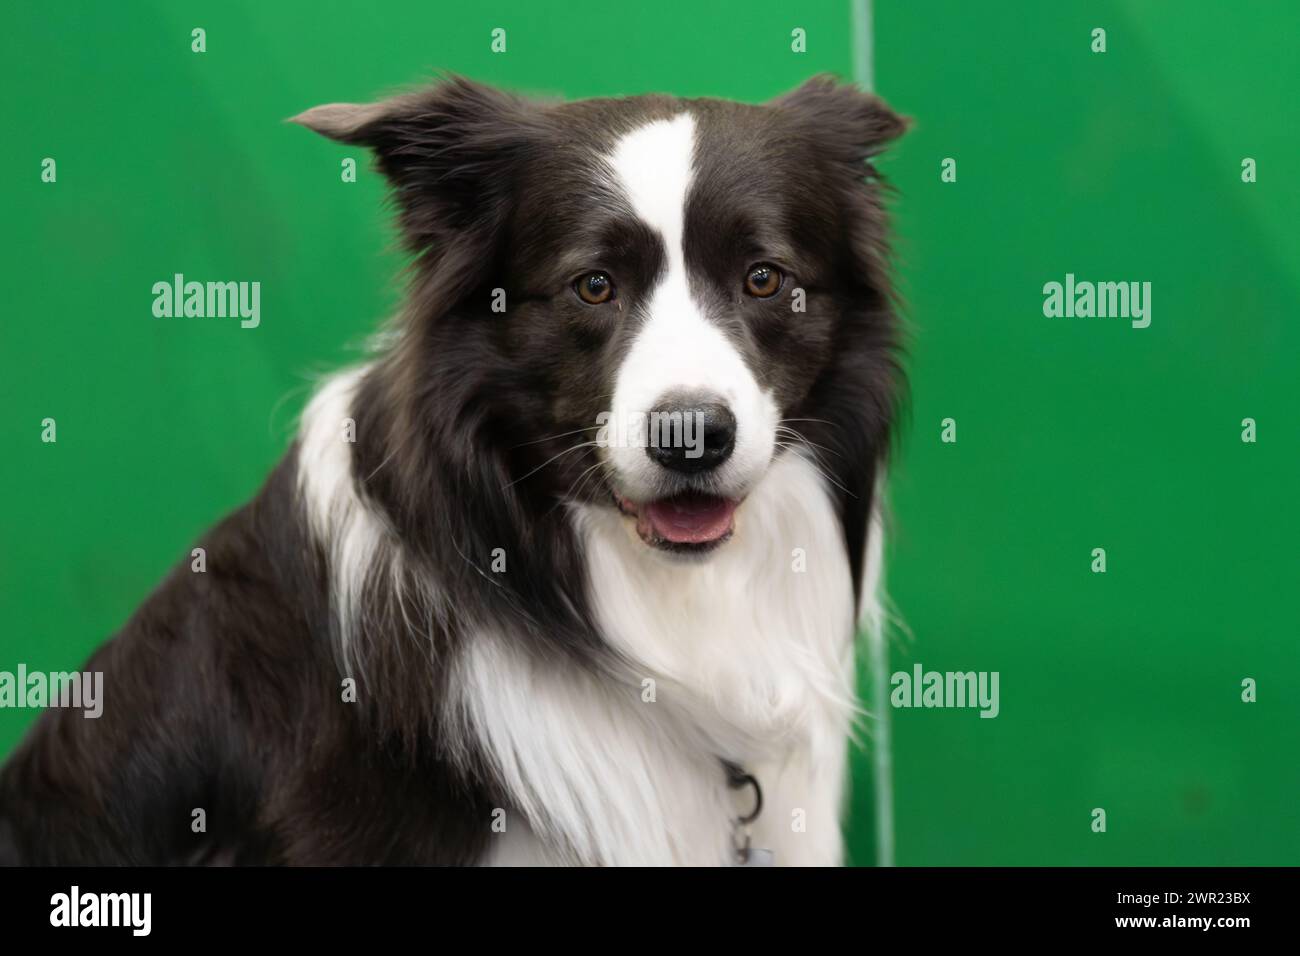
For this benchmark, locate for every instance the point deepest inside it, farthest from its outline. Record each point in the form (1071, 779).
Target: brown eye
(763, 281)
(594, 288)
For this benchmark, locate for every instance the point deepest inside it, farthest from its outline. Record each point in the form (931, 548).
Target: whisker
(820, 421)
(816, 462)
(803, 438)
(583, 479)
(573, 448)
(538, 441)
(579, 483)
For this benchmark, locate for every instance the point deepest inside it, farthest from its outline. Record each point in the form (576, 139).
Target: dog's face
(668, 280)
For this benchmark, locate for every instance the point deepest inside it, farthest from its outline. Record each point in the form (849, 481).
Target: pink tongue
(690, 519)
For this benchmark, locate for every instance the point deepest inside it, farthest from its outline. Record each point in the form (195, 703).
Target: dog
(490, 608)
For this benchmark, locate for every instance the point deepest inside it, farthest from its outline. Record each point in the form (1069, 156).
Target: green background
(1118, 690)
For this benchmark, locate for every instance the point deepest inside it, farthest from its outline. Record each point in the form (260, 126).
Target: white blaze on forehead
(654, 168)
(677, 348)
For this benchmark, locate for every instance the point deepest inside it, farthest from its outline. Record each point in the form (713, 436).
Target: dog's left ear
(854, 124)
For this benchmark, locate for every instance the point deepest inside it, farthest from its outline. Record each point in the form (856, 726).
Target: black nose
(691, 434)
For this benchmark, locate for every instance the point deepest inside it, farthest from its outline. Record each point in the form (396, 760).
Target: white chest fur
(747, 655)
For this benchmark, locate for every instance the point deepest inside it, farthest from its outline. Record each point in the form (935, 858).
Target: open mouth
(690, 522)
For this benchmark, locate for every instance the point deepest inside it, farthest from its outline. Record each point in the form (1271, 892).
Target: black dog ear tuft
(856, 124)
(342, 121)
(448, 150)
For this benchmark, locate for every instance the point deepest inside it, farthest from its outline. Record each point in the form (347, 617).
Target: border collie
(460, 624)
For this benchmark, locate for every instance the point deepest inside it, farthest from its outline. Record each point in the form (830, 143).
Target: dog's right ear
(449, 152)
(344, 122)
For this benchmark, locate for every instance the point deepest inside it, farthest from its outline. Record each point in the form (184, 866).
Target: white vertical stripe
(863, 44)
(877, 647)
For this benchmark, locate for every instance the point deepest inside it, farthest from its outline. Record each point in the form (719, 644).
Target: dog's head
(645, 301)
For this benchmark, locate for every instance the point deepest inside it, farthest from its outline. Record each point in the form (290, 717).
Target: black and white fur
(592, 689)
